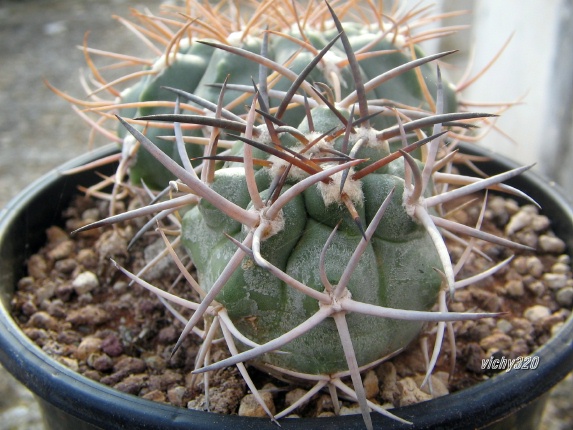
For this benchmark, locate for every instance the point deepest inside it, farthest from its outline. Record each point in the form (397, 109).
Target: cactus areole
(302, 162)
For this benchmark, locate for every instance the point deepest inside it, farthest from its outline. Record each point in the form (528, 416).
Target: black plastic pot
(70, 401)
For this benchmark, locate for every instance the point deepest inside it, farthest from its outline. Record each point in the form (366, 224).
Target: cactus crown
(302, 150)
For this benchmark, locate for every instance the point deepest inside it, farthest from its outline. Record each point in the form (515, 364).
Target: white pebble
(537, 312)
(564, 259)
(517, 222)
(551, 244)
(85, 282)
(555, 281)
(540, 223)
(560, 268)
(537, 287)
(535, 266)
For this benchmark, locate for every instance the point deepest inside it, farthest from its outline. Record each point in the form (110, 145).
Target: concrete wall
(536, 68)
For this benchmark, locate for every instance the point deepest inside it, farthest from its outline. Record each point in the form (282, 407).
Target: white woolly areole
(296, 173)
(263, 134)
(318, 146)
(279, 165)
(160, 64)
(275, 225)
(331, 192)
(410, 208)
(235, 38)
(368, 135)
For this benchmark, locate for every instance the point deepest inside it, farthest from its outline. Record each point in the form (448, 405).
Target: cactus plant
(302, 155)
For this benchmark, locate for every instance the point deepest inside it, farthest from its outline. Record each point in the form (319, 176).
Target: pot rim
(488, 401)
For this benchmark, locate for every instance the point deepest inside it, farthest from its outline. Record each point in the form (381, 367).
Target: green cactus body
(397, 270)
(196, 67)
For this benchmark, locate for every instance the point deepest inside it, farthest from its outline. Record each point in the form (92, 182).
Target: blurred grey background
(39, 131)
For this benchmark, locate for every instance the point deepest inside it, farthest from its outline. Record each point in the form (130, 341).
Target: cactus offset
(314, 230)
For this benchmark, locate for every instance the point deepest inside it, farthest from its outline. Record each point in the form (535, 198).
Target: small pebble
(155, 396)
(249, 406)
(535, 267)
(388, 378)
(85, 282)
(518, 222)
(45, 292)
(410, 393)
(497, 207)
(350, 410)
(62, 250)
(88, 315)
(519, 348)
(551, 244)
(540, 223)
(87, 258)
(514, 288)
(43, 320)
(69, 337)
(537, 287)
(555, 329)
(88, 346)
(499, 341)
(120, 287)
(155, 363)
(37, 267)
(29, 308)
(168, 335)
(130, 365)
(64, 292)
(294, 396)
(370, 382)
(162, 266)
(112, 346)
(100, 362)
(56, 235)
(536, 313)
(560, 268)
(91, 215)
(69, 362)
(522, 329)
(504, 326)
(67, 265)
(473, 355)
(439, 389)
(132, 385)
(167, 379)
(57, 309)
(177, 395)
(555, 281)
(565, 297)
